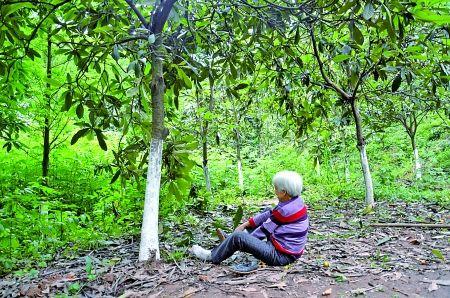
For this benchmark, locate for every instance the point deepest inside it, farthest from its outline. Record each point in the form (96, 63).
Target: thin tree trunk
(239, 162)
(363, 155)
(346, 159)
(205, 136)
(205, 159)
(347, 168)
(46, 151)
(149, 246)
(317, 166)
(417, 165)
(260, 126)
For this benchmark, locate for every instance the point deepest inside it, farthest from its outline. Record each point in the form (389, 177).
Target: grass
(80, 209)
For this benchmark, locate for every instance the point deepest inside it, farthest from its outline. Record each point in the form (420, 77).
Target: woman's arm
(243, 226)
(257, 220)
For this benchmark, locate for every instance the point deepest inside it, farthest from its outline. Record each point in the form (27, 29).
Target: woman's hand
(242, 227)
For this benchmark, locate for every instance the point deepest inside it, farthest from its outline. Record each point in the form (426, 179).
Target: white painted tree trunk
(149, 247)
(318, 167)
(417, 165)
(207, 178)
(367, 176)
(240, 174)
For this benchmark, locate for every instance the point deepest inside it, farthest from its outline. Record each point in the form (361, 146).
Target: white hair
(288, 181)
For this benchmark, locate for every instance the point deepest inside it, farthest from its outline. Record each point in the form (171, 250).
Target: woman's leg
(242, 241)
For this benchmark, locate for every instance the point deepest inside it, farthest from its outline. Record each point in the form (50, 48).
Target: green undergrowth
(80, 209)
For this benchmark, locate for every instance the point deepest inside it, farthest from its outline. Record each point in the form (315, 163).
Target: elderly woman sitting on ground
(285, 228)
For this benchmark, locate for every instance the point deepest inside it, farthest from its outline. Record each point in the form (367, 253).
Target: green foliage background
(82, 210)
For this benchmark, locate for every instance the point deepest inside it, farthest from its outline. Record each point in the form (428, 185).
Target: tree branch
(38, 26)
(160, 15)
(322, 72)
(138, 13)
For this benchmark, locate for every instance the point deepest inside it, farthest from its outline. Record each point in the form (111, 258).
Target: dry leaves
(327, 292)
(433, 287)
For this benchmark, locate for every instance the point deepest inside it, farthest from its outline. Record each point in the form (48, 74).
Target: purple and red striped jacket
(286, 226)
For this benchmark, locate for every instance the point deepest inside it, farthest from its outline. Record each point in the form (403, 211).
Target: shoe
(200, 253)
(245, 268)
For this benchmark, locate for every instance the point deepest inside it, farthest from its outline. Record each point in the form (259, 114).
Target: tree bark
(46, 148)
(347, 168)
(410, 124)
(149, 246)
(205, 136)
(239, 162)
(363, 155)
(417, 165)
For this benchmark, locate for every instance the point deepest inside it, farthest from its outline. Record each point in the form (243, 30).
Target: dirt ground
(345, 257)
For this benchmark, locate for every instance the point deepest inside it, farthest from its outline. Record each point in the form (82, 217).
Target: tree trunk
(149, 246)
(205, 161)
(347, 168)
(205, 136)
(363, 155)
(417, 165)
(260, 126)
(317, 167)
(239, 162)
(46, 151)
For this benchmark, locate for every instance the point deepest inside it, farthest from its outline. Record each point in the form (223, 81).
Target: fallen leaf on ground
(327, 292)
(300, 280)
(134, 294)
(189, 292)
(264, 293)
(442, 282)
(433, 287)
(249, 289)
(280, 285)
(414, 241)
(383, 241)
(203, 278)
(276, 277)
(109, 277)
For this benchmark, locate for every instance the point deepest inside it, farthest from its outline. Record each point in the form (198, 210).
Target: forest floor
(344, 257)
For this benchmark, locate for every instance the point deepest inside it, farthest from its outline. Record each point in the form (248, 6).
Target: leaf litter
(344, 256)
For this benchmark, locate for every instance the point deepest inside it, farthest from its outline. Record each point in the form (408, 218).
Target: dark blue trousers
(242, 241)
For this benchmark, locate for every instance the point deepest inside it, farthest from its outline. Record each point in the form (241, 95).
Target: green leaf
(115, 53)
(241, 86)
(52, 81)
(357, 35)
(186, 81)
(79, 134)
(346, 6)
(233, 70)
(173, 190)
(115, 177)
(132, 91)
(67, 100)
(101, 139)
(12, 8)
(429, 16)
(32, 53)
(438, 254)
(368, 11)
(341, 57)
(396, 83)
(238, 217)
(297, 36)
(80, 111)
(88, 265)
(151, 38)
